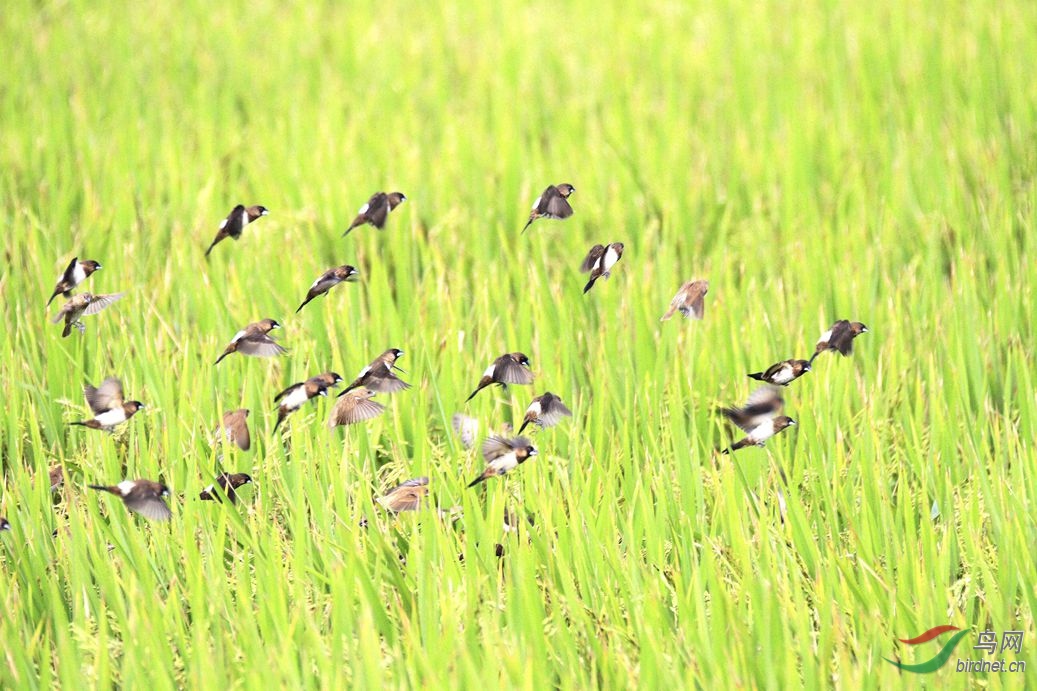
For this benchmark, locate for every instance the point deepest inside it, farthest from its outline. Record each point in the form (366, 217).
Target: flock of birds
(760, 418)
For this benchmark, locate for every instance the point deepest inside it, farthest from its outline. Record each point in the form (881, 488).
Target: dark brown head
(268, 325)
(327, 379)
(520, 358)
(392, 355)
(89, 266)
(523, 453)
(565, 189)
(781, 422)
(4, 525)
(234, 480)
(800, 366)
(131, 407)
(618, 247)
(858, 328)
(346, 273)
(256, 211)
(395, 199)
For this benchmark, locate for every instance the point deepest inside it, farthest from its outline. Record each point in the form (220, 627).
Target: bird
(689, 300)
(783, 373)
(467, 428)
(760, 418)
(80, 305)
(76, 273)
(328, 380)
(552, 203)
(376, 210)
(255, 340)
(229, 483)
(379, 376)
(328, 280)
(599, 262)
(239, 217)
(141, 496)
(235, 428)
(510, 368)
(293, 398)
(839, 338)
(4, 525)
(546, 410)
(503, 455)
(406, 496)
(354, 406)
(109, 408)
(56, 476)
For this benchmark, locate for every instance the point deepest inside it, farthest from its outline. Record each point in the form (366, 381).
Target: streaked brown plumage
(109, 408)
(839, 338)
(510, 368)
(141, 496)
(81, 305)
(76, 273)
(255, 340)
(232, 226)
(553, 202)
(546, 410)
(354, 406)
(689, 300)
(328, 280)
(235, 428)
(599, 262)
(783, 373)
(503, 455)
(229, 483)
(405, 497)
(376, 210)
(379, 376)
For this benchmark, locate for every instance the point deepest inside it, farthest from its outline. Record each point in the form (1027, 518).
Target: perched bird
(546, 410)
(141, 496)
(328, 280)
(689, 300)
(293, 398)
(76, 273)
(235, 428)
(510, 368)
(229, 483)
(4, 525)
(80, 305)
(839, 338)
(503, 455)
(379, 376)
(109, 408)
(56, 476)
(783, 373)
(405, 497)
(354, 406)
(255, 340)
(239, 217)
(760, 419)
(376, 210)
(552, 203)
(599, 262)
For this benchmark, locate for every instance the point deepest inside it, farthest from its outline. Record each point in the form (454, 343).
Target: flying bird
(379, 376)
(239, 217)
(467, 428)
(229, 483)
(235, 428)
(296, 395)
(599, 262)
(510, 368)
(503, 455)
(760, 418)
(552, 203)
(405, 497)
(76, 273)
(255, 340)
(546, 410)
(783, 373)
(80, 305)
(839, 338)
(109, 408)
(328, 280)
(141, 496)
(689, 300)
(328, 380)
(353, 407)
(376, 210)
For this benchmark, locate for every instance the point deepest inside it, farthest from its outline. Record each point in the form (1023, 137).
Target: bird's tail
(81, 424)
(352, 225)
(525, 423)
(528, 223)
(668, 315)
(758, 376)
(590, 284)
(476, 481)
(56, 293)
(472, 395)
(281, 415)
(67, 330)
(816, 353)
(225, 354)
(304, 303)
(210, 248)
(103, 488)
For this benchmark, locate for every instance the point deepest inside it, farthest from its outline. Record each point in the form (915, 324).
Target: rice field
(814, 161)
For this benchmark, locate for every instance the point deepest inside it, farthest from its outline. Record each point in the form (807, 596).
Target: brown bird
(76, 273)
(109, 408)
(56, 476)
(328, 280)
(354, 406)
(599, 262)
(379, 376)
(376, 210)
(296, 395)
(760, 419)
(552, 203)
(546, 410)
(503, 455)
(232, 226)
(689, 300)
(255, 340)
(839, 338)
(405, 497)
(235, 428)
(80, 305)
(510, 368)
(783, 373)
(229, 483)
(141, 496)
(328, 380)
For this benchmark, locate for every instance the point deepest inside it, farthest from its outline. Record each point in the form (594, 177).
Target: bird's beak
(864, 329)
(792, 422)
(323, 392)
(534, 452)
(807, 368)
(99, 267)
(266, 212)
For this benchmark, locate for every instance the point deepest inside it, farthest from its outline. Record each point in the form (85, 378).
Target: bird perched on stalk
(229, 483)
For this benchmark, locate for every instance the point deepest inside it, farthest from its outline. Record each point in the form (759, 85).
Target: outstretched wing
(104, 397)
(592, 258)
(101, 301)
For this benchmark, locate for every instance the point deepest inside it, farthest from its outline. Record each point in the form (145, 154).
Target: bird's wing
(510, 372)
(105, 397)
(553, 412)
(696, 298)
(260, 345)
(558, 206)
(764, 395)
(101, 301)
(351, 409)
(592, 258)
(148, 506)
(385, 382)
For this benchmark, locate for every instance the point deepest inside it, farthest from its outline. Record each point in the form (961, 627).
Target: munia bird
(546, 410)
(76, 273)
(783, 373)
(379, 376)
(407, 496)
(552, 203)
(296, 395)
(354, 406)
(235, 428)
(839, 338)
(81, 305)
(328, 280)
(599, 262)
(760, 418)
(689, 301)
(141, 496)
(376, 210)
(229, 483)
(255, 340)
(503, 455)
(109, 408)
(510, 368)
(232, 226)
